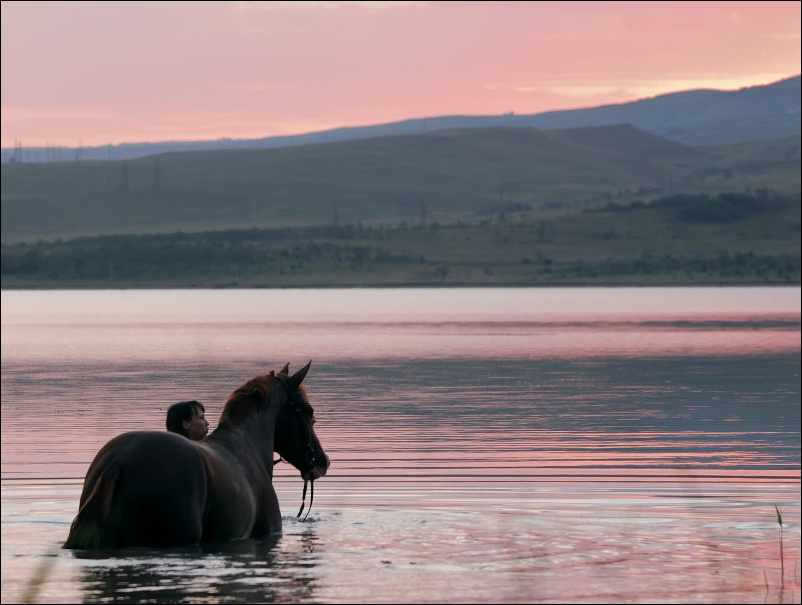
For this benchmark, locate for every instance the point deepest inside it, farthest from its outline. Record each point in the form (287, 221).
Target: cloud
(261, 86)
(309, 5)
(27, 112)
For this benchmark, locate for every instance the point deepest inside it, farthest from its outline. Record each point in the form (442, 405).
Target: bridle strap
(293, 395)
(311, 483)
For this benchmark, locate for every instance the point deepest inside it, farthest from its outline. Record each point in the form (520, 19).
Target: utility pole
(157, 174)
(124, 185)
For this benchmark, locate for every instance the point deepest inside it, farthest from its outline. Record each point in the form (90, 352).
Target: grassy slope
(476, 207)
(644, 246)
(445, 176)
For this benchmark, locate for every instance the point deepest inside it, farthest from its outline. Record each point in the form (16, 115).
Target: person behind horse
(188, 418)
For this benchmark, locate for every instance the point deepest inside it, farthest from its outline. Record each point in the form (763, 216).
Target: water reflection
(518, 449)
(242, 571)
(207, 326)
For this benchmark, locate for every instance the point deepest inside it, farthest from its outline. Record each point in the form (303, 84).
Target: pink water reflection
(400, 305)
(519, 446)
(366, 324)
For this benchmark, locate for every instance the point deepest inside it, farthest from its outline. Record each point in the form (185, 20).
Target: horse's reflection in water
(233, 571)
(154, 488)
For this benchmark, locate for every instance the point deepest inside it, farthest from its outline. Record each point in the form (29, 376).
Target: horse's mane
(246, 399)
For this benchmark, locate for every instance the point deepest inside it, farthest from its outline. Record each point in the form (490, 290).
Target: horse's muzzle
(317, 470)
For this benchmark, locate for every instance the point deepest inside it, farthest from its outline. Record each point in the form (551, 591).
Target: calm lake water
(488, 445)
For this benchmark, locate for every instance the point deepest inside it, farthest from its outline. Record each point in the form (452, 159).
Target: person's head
(188, 418)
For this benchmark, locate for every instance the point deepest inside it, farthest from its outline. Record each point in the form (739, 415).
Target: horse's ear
(299, 376)
(285, 371)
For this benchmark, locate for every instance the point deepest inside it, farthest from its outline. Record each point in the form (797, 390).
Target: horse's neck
(246, 440)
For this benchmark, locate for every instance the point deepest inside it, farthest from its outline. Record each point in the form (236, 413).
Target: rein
(293, 395)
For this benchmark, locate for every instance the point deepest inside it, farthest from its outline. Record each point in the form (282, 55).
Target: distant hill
(445, 176)
(696, 117)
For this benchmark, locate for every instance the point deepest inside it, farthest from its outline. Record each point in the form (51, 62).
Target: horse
(161, 489)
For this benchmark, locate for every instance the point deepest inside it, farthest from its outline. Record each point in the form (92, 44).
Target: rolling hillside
(701, 117)
(444, 176)
(729, 238)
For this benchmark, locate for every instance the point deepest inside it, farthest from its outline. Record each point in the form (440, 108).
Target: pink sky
(96, 73)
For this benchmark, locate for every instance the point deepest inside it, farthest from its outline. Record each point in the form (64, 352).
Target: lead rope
(311, 484)
(303, 499)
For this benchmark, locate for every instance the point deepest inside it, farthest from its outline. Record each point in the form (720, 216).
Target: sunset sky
(97, 73)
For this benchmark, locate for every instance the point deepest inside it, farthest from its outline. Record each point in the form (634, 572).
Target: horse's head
(295, 438)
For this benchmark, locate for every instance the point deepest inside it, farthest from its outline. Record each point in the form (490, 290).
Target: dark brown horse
(155, 488)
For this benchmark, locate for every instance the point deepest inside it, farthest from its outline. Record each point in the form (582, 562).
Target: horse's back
(143, 488)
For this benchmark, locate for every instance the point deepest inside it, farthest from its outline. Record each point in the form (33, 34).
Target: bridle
(294, 396)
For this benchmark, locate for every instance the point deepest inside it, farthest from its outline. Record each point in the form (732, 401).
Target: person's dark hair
(178, 412)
